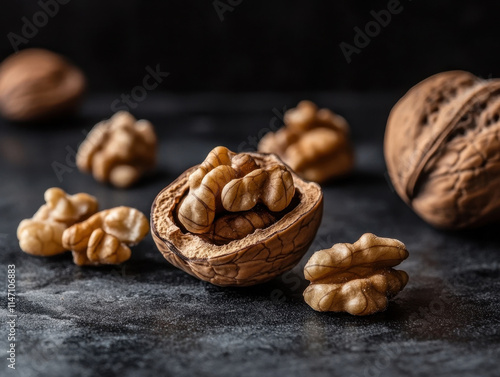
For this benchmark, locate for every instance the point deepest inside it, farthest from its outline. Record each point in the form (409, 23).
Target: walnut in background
(314, 143)
(442, 149)
(118, 150)
(37, 84)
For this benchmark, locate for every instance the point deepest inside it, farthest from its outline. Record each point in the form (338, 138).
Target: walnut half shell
(442, 149)
(283, 238)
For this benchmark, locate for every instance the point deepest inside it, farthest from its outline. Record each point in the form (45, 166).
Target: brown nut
(235, 183)
(245, 247)
(356, 278)
(118, 150)
(443, 152)
(236, 226)
(37, 84)
(314, 143)
(104, 237)
(42, 234)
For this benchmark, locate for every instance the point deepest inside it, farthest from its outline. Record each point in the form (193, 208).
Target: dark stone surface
(148, 318)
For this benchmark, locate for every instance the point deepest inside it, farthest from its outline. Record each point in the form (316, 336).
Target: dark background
(276, 45)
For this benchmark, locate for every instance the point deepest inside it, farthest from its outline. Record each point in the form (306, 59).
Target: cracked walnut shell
(42, 234)
(255, 229)
(443, 151)
(118, 150)
(37, 84)
(356, 278)
(105, 237)
(314, 143)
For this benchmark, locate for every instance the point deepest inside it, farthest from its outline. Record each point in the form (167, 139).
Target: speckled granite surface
(148, 318)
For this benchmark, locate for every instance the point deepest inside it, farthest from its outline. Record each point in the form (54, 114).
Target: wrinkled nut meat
(356, 278)
(42, 234)
(37, 84)
(236, 226)
(443, 151)
(235, 183)
(314, 143)
(236, 219)
(118, 150)
(105, 237)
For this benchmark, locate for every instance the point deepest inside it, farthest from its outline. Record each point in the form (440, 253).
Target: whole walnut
(443, 151)
(314, 143)
(37, 84)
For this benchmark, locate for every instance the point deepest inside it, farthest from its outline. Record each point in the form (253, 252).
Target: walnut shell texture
(254, 259)
(443, 151)
(37, 84)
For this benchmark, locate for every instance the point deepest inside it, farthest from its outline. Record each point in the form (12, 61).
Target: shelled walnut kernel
(118, 150)
(235, 183)
(42, 234)
(314, 143)
(104, 237)
(356, 278)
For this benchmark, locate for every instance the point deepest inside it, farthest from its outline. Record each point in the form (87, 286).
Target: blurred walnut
(356, 278)
(42, 234)
(314, 143)
(104, 238)
(232, 182)
(443, 151)
(37, 84)
(118, 150)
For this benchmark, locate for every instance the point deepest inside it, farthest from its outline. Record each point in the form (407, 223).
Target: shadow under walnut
(254, 259)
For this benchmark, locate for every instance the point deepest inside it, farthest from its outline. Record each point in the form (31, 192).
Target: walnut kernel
(42, 234)
(356, 278)
(314, 143)
(104, 237)
(235, 183)
(118, 150)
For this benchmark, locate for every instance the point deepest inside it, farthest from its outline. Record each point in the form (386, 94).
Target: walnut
(235, 183)
(37, 84)
(118, 150)
(236, 219)
(442, 149)
(236, 226)
(104, 237)
(356, 278)
(314, 143)
(42, 234)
